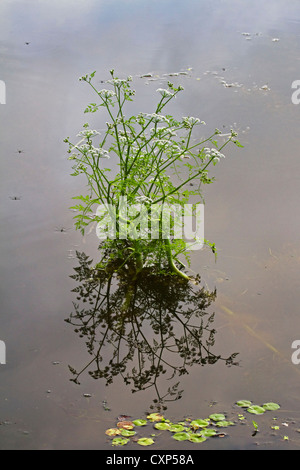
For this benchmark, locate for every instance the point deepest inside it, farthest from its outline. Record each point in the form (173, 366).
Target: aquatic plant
(154, 162)
(189, 429)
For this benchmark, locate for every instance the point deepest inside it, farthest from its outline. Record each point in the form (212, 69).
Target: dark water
(240, 60)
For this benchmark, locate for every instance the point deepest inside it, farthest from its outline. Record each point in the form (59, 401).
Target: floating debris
(264, 88)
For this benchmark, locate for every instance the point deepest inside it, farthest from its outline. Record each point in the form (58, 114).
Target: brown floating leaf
(113, 432)
(125, 425)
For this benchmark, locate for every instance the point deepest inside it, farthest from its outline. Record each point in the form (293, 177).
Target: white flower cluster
(88, 133)
(90, 149)
(213, 153)
(144, 199)
(191, 121)
(165, 93)
(106, 94)
(156, 117)
(119, 82)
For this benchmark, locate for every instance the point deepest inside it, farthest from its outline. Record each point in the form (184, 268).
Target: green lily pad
(208, 432)
(145, 441)
(181, 436)
(176, 427)
(224, 424)
(162, 426)
(119, 441)
(140, 422)
(271, 406)
(199, 423)
(244, 403)
(256, 410)
(196, 438)
(217, 417)
(127, 433)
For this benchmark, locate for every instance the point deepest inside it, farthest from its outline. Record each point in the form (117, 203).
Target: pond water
(237, 62)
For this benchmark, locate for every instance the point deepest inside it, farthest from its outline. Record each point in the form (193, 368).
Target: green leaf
(140, 422)
(145, 441)
(176, 428)
(255, 409)
(207, 432)
(119, 441)
(244, 403)
(199, 423)
(217, 417)
(181, 436)
(224, 424)
(271, 406)
(162, 426)
(127, 433)
(196, 438)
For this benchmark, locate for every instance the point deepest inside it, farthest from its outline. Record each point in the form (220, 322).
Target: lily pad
(181, 436)
(113, 432)
(244, 403)
(176, 427)
(256, 410)
(125, 425)
(119, 441)
(224, 424)
(140, 422)
(162, 426)
(271, 406)
(145, 441)
(196, 438)
(199, 423)
(217, 417)
(155, 417)
(127, 433)
(208, 432)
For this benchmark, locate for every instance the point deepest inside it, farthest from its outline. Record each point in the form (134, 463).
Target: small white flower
(164, 93)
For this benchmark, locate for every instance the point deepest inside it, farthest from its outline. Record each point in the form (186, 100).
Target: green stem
(172, 265)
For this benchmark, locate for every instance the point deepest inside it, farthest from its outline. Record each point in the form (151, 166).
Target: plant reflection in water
(152, 326)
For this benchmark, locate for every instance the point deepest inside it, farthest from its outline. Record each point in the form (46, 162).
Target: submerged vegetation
(155, 162)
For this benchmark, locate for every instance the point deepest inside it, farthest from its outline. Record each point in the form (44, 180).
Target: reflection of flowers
(149, 327)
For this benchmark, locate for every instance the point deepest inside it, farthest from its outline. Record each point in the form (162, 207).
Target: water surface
(239, 69)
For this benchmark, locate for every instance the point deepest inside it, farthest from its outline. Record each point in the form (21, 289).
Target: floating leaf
(127, 433)
(176, 428)
(155, 417)
(207, 432)
(199, 423)
(119, 441)
(196, 438)
(224, 424)
(162, 426)
(271, 406)
(255, 409)
(244, 403)
(140, 422)
(217, 417)
(181, 436)
(113, 432)
(145, 441)
(125, 425)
